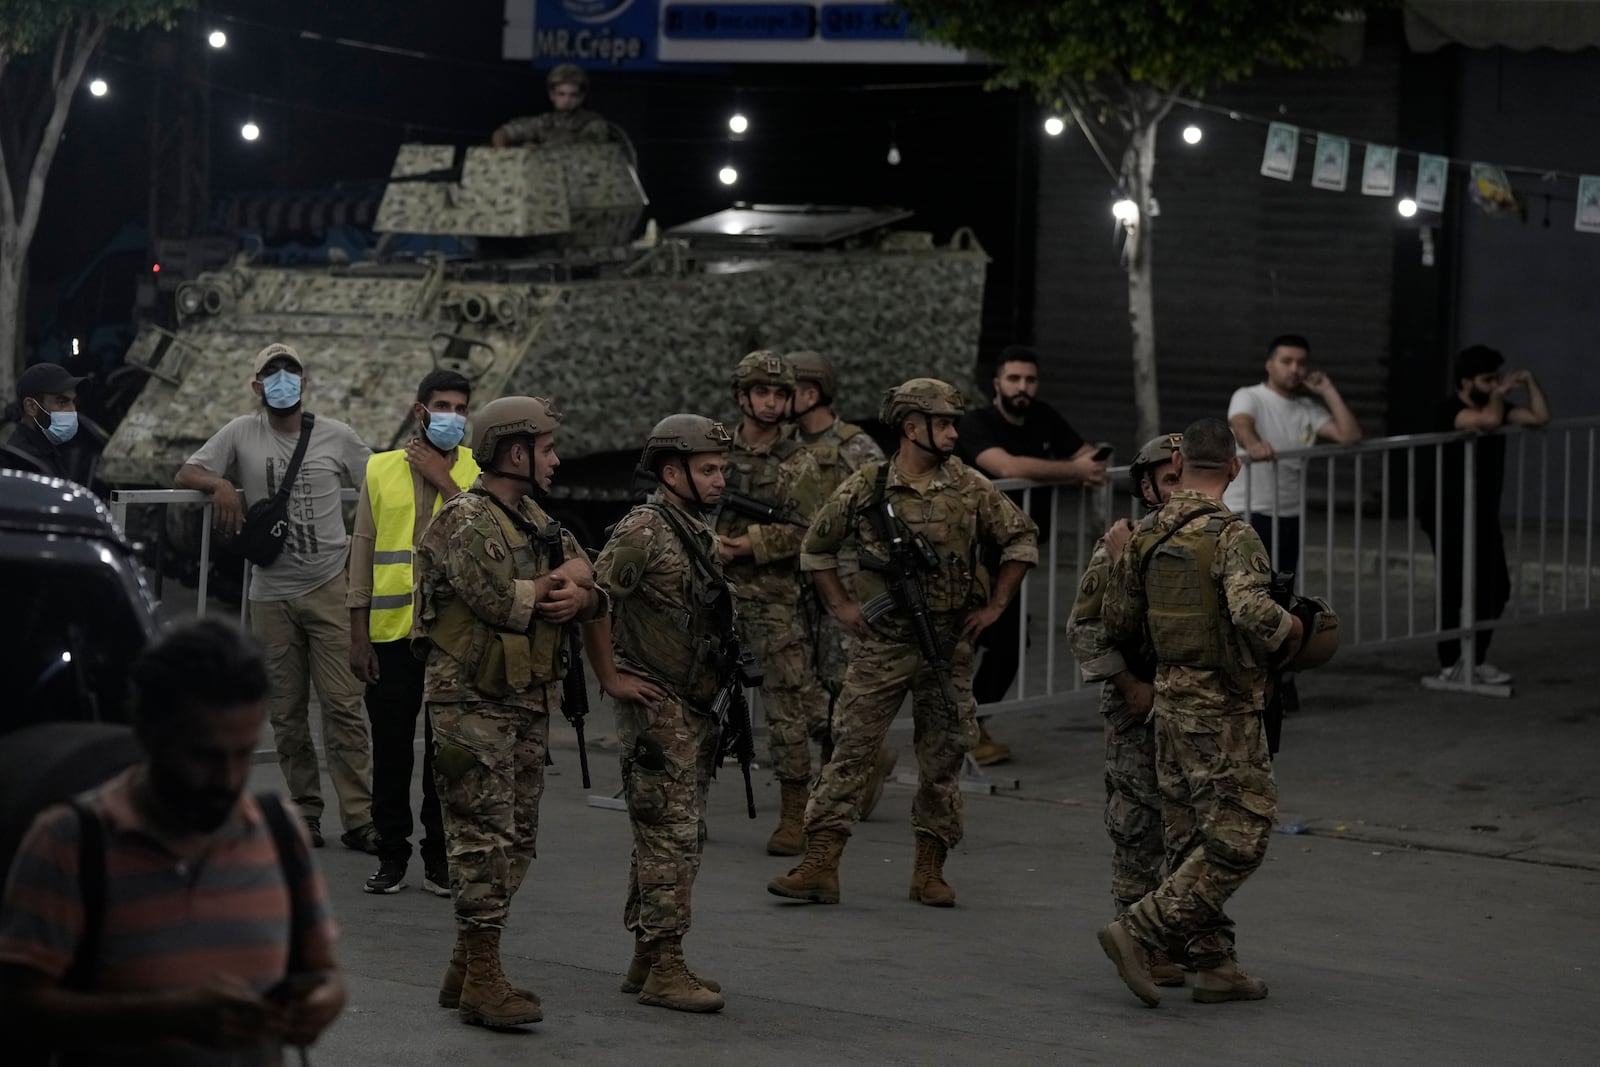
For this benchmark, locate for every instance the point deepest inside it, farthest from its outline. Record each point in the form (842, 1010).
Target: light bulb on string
(98, 87)
(727, 175)
(738, 123)
(1054, 126)
(1407, 207)
(894, 154)
(1125, 210)
(217, 39)
(250, 131)
(1192, 134)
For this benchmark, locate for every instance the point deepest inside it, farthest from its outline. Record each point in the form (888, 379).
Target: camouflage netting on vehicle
(588, 191)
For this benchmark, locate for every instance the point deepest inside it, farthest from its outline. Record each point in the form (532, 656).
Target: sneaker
(1452, 674)
(314, 828)
(391, 877)
(1489, 674)
(361, 839)
(436, 879)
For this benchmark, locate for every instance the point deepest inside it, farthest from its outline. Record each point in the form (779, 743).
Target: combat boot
(1227, 982)
(1163, 971)
(670, 985)
(455, 973)
(1123, 950)
(644, 957)
(927, 877)
(789, 839)
(881, 769)
(487, 999)
(816, 879)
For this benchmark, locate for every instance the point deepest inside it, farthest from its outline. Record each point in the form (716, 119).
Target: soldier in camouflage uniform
(570, 123)
(840, 449)
(1195, 578)
(652, 656)
(1127, 694)
(769, 465)
(490, 618)
(956, 509)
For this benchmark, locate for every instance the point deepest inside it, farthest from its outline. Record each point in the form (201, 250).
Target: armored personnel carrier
(556, 299)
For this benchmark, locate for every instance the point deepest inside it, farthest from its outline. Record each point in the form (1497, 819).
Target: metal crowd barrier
(1361, 544)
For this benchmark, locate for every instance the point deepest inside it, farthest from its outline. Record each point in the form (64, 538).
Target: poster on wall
(1283, 145)
(1587, 219)
(1332, 163)
(1433, 175)
(1377, 170)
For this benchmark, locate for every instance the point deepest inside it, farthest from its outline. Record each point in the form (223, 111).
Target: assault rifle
(737, 670)
(574, 686)
(756, 510)
(1285, 697)
(910, 557)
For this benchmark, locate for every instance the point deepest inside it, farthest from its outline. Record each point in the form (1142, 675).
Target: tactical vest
(676, 641)
(502, 661)
(1188, 622)
(757, 475)
(959, 584)
(394, 514)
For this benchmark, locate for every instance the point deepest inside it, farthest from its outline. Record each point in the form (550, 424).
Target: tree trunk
(10, 318)
(1138, 169)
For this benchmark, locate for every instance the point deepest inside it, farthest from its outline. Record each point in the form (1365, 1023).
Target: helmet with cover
(510, 416)
(813, 367)
(763, 367)
(684, 435)
(1321, 633)
(567, 74)
(920, 396)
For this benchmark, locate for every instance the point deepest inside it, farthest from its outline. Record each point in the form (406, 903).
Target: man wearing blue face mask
(47, 397)
(403, 490)
(297, 604)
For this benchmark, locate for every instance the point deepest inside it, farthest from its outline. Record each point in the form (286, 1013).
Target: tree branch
(86, 36)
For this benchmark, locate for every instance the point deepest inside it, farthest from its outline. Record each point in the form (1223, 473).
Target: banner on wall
(1332, 166)
(1377, 170)
(1283, 146)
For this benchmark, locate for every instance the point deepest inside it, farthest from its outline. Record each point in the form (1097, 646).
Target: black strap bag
(266, 523)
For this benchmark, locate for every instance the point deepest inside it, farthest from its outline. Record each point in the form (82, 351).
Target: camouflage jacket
(958, 510)
(556, 129)
(660, 628)
(783, 474)
(840, 450)
(1247, 625)
(1098, 656)
(462, 558)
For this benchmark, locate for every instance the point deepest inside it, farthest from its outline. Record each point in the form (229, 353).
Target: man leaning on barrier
(297, 602)
(1196, 580)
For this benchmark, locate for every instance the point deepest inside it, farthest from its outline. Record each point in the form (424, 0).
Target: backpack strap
(91, 893)
(296, 871)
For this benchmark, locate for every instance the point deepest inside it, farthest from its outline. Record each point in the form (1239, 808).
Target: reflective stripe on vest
(394, 514)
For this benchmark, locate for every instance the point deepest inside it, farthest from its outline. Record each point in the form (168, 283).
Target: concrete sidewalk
(1399, 929)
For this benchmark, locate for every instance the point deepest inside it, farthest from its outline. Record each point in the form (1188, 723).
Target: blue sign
(611, 34)
(865, 22)
(742, 22)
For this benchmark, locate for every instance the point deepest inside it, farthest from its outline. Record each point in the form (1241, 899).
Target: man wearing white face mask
(403, 490)
(47, 398)
(297, 603)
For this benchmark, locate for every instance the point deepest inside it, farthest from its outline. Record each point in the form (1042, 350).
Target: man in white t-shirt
(297, 606)
(1293, 409)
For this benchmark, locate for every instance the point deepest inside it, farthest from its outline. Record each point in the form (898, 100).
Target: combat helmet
(567, 73)
(1321, 638)
(763, 367)
(684, 435)
(1152, 454)
(920, 396)
(813, 367)
(510, 416)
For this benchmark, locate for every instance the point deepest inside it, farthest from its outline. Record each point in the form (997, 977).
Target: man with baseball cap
(297, 602)
(47, 400)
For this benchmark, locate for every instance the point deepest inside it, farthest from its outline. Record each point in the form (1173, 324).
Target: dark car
(77, 612)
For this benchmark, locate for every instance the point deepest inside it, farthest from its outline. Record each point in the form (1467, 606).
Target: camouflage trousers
(880, 675)
(1219, 800)
(1133, 813)
(667, 756)
(795, 704)
(488, 762)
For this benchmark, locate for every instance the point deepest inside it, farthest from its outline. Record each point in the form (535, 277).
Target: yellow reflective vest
(394, 515)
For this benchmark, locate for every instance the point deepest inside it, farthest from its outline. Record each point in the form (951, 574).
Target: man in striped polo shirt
(198, 920)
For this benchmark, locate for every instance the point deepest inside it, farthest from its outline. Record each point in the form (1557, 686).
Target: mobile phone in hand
(1102, 453)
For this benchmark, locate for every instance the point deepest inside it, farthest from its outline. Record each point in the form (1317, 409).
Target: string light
(217, 39)
(98, 87)
(738, 123)
(250, 131)
(1054, 126)
(1407, 207)
(1125, 211)
(1192, 134)
(894, 154)
(727, 175)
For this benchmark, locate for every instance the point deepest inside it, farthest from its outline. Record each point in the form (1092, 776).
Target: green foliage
(29, 25)
(1170, 46)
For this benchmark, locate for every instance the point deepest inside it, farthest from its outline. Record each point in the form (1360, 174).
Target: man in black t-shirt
(1018, 436)
(1481, 402)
